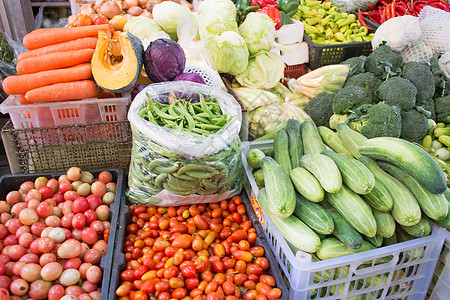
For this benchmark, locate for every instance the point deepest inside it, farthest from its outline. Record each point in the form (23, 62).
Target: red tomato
(59, 198)
(80, 205)
(83, 20)
(44, 209)
(65, 186)
(94, 201)
(46, 192)
(78, 221)
(90, 215)
(66, 220)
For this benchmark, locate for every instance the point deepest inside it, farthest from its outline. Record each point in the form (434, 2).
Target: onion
(143, 3)
(98, 3)
(109, 9)
(87, 9)
(135, 11)
(130, 3)
(147, 14)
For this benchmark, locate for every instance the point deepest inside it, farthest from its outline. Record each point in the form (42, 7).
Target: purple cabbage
(193, 77)
(164, 60)
(137, 89)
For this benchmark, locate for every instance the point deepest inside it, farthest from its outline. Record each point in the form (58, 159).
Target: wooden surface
(54, 4)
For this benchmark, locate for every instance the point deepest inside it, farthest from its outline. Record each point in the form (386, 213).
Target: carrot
(23, 100)
(43, 37)
(83, 43)
(65, 91)
(21, 84)
(53, 61)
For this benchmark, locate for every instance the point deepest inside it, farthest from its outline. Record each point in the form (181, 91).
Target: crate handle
(380, 267)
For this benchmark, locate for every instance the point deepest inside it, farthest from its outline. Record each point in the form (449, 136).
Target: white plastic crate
(400, 271)
(440, 285)
(86, 111)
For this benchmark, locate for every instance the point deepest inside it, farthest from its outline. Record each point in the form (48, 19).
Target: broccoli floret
(428, 109)
(356, 65)
(381, 120)
(442, 108)
(320, 108)
(414, 126)
(422, 78)
(350, 97)
(398, 91)
(365, 80)
(384, 63)
(337, 119)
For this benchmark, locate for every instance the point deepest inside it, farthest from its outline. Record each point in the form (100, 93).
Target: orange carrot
(21, 84)
(53, 61)
(83, 43)
(43, 37)
(23, 100)
(66, 91)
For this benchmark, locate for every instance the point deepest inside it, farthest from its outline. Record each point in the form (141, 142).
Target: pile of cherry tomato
(204, 251)
(53, 235)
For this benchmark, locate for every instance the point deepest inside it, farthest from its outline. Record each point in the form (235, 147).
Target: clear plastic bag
(353, 5)
(171, 167)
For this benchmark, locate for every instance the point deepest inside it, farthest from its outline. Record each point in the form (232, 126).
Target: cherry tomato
(188, 271)
(83, 20)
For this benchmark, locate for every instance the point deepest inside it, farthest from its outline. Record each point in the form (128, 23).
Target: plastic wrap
(171, 167)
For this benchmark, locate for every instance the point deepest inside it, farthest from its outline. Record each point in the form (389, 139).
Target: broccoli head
(414, 126)
(422, 78)
(442, 109)
(320, 108)
(384, 63)
(399, 92)
(349, 98)
(381, 120)
(356, 65)
(428, 109)
(367, 81)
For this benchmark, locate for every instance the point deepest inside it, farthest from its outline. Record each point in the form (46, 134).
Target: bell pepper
(264, 3)
(273, 13)
(289, 7)
(243, 8)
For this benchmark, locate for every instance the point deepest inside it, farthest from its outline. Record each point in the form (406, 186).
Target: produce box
(334, 54)
(440, 284)
(65, 113)
(119, 263)
(399, 271)
(13, 182)
(89, 146)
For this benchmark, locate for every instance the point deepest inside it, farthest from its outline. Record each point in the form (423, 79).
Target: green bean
(209, 127)
(206, 192)
(206, 109)
(164, 115)
(160, 161)
(191, 109)
(196, 167)
(200, 119)
(179, 182)
(183, 176)
(171, 111)
(186, 115)
(203, 115)
(138, 173)
(160, 178)
(200, 131)
(169, 169)
(178, 192)
(200, 174)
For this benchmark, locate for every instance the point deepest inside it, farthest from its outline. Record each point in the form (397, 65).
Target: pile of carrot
(57, 67)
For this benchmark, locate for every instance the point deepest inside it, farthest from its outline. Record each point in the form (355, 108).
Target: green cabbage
(212, 25)
(223, 8)
(167, 14)
(264, 71)
(258, 31)
(229, 53)
(145, 29)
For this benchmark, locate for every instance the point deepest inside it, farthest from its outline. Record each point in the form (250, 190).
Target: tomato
(228, 288)
(192, 283)
(94, 201)
(250, 295)
(179, 293)
(263, 262)
(257, 251)
(250, 285)
(274, 293)
(44, 209)
(201, 263)
(148, 286)
(267, 279)
(89, 236)
(72, 263)
(188, 271)
(78, 221)
(170, 272)
(162, 286)
(124, 289)
(217, 266)
(80, 205)
(219, 250)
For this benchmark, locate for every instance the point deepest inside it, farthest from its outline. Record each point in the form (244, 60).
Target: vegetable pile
(437, 141)
(54, 233)
(205, 250)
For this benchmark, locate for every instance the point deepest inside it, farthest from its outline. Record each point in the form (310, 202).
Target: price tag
(258, 211)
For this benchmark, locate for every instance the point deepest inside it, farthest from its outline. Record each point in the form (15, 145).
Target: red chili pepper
(388, 11)
(273, 13)
(264, 3)
(440, 5)
(361, 20)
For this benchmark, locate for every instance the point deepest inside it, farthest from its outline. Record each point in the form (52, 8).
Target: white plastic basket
(440, 289)
(390, 272)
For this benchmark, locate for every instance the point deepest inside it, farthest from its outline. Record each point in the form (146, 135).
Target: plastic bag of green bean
(186, 146)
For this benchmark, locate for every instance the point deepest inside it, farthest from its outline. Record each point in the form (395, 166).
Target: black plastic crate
(13, 182)
(120, 263)
(335, 54)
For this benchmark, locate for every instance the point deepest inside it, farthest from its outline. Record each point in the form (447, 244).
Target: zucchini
(375, 241)
(352, 139)
(280, 191)
(366, 246)
(343, 230)
(390, 241)
(385, 223)
(254, 157)
(332, 140)
(355, 174)
(324, 169)
(295, 142)
(281, 148)
(357, 212)
(409, 157)
(332, 247)
(423, 228)
(307, 185)
(313, 215)
(445, 222)
(312, 142)
(379, 198)
(294, 231)
(405, 210)
(433, 206)
(417, 253)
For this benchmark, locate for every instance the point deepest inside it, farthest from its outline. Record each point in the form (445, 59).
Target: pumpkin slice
(117, 61)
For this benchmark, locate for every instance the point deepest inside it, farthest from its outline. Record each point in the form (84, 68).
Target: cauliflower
(444, 63)
(398, 32)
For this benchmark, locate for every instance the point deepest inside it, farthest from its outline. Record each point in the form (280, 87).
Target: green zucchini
(355, 174)
(281, 147)
(280, 191)
(379, 198)
(376, 241)
(313, 215)
(391, 240)
(332, 247)
(433, 206)
(254, 157)
(332, 140)
(423, 228)
(406, 211)
(385, 223)
(445, 222)
(312, 142)
(366, 246)
(343, 230)
(294, 231)
(324, 169)
(352, 139)
(295, 142)
(307, 185)
(357, 212)
(409, 157)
